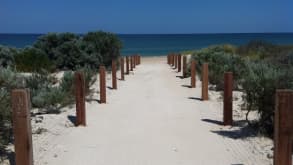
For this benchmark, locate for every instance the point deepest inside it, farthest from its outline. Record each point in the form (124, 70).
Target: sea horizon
(162, 44)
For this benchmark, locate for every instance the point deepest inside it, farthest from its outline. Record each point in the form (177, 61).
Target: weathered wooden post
(173, 60)
(176, 60)
(127, 65)
(193, 73)
(134, 64)
(179, 62)
(168, 59)
(139, 60)
(102, 84)
(114, 76)
(22, 127)
(184, 71)
(136, 59)
(205, 82)
(80, 99)
(131, 63)
(228, 98)
(122, 67)
(283, 127)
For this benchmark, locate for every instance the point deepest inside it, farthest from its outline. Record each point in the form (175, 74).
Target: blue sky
(146, 16)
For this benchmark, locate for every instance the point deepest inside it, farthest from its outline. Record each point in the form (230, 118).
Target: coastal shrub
(259, 85)
(43, 94)
(8, 81)
(90, 76)
(5, 118)
(106, 45)
(257, 72)
(7, 56)
(32, 60)
(268, 52)
(67, 87)
(71, 51)
(220, 60)
(50, 42)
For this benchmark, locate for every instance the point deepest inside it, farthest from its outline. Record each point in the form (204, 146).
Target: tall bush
(7, 55)
(220, 59)
(32, 60)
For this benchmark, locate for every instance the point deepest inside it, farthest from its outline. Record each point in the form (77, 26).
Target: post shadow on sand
(195, 98)
(91, 99)
(72, 119)
(187, 86)
(243, 131)
(181, 77)
(109, 87)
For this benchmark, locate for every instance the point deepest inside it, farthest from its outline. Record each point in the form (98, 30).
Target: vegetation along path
(152, 119)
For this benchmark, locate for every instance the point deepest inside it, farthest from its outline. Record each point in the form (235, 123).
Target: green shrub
(261, 82)
(258, 72)
(105, 45)
(32, 60)
(220, 59)
(5, 118)
(7, 56)
(67, 87)
(8, 81)
(70, 51)
(90, 76)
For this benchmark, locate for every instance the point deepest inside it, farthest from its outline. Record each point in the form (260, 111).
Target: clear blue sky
(146, 16)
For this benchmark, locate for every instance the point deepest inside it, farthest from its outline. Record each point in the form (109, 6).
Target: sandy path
(149, 120)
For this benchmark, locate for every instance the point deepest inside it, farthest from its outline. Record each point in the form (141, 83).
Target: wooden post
(102, 84)
(136, 59)
(139, 60)
(131, 63)
(173, 60)
(122, 67)
(193, 73)
(134, 64)
(22, 127)
(127, 65)
(179, 62)
(176, 59)
(228, 98)
(80, 99)
(283, 127)
(184, 71)
(205, 82)
(168, 59)
(114, 76)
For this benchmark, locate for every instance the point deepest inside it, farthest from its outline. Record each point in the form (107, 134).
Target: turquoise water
(161, 44)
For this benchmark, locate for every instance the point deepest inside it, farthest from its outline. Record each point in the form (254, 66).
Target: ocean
(162, 44)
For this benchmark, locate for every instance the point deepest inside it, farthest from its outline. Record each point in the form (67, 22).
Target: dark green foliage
(8, 81)
(261, 50)
(89, 77)
(70, 51)
(7, 56)
(32, 60)
(51, 41)
(106, 45)
(5, 118)
(259, 85)
(220, 59)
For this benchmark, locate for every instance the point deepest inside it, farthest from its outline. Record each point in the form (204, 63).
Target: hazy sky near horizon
(146, 16)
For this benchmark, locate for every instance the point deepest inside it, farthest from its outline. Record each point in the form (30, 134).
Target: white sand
(149, 120)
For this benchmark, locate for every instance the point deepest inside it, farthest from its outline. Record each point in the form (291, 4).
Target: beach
(152, 118)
